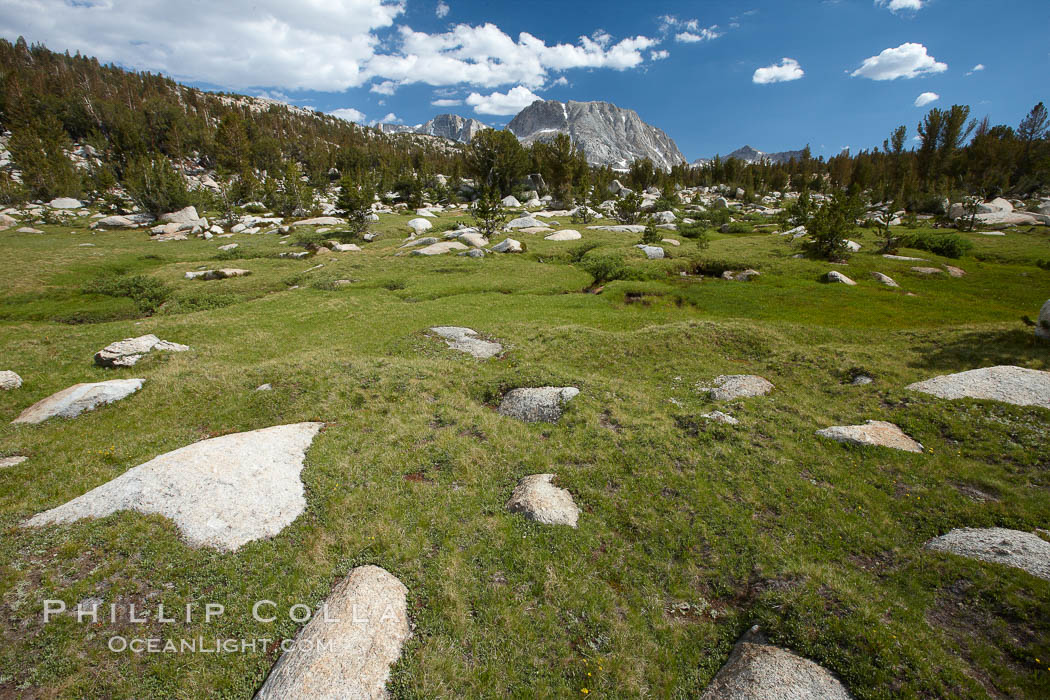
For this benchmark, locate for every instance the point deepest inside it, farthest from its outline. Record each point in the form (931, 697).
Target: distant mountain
(447, 126)
(607, 134)
(752, 155)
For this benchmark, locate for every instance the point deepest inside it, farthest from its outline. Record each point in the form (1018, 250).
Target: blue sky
(714, 76)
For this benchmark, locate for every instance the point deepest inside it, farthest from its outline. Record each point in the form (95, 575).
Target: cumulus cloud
(443, 102)
(926, 98)
(659, 55)
(236, 44)
(900, 5)
(441, 10)
(326, 46)
(511, 102)
(388, 119)
(487, 57)
(976, 69)
(788, 69)
(906, 61)
(349, 114)
(387, 87)
(687, 31)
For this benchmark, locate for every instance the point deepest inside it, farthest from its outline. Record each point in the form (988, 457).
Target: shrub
(950, 245)
(148, 293)
(628, 208)
(738, 227)
(651, 235)
(576, 253)
(605, 268)
(156, 186)
(830, 226)
(488, 213)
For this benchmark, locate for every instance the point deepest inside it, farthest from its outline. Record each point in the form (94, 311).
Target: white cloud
(900, 5)
(687, 31)
(235, 44)
(441, 10)
(788, 69)
(387, 87)
(563, 81)
(485, 56)
(323, 45)
(511, 102)
(349, 114)
(926, 98)
(906, 61)
(706, 34)
(446, 103)
(659, 55)
(976, 69)
(388, 119)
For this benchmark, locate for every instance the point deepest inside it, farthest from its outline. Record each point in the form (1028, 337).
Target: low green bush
(148, 293)
(950, 245)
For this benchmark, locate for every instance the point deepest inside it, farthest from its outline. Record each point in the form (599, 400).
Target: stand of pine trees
(139, 124)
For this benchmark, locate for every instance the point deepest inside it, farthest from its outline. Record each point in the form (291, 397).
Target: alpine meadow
(536, 397)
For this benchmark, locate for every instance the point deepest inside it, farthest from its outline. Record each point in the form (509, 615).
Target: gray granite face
(607, 134)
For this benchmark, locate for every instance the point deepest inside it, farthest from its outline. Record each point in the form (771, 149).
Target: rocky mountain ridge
(607, 134)
(448, 126)
(747, 154)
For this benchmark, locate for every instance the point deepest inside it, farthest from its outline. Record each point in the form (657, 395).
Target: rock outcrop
(874, 432)
(71, 402)
(350, 644)
(737, 386)
(534, 405)
(466, 340)
(1021, 550)
(221, 493)
(125, 353)
(1015, 385)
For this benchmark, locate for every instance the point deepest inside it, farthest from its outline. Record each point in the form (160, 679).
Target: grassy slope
(762, 522)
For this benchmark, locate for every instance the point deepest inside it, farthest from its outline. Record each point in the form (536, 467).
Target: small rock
(1042, 326)
(955, 271)
(903, 257)
(538, 499)
(757, 670)
(65, 203)
(217, 274)
(228, 246)
(737, 386)
(836, 276)
(534, 405)
(264, 387)
(9, 380)
(874, 432)
(465, 340)
(886, 280)
(1021, 550)
(418, 226)
(651, 251)
(525, 222)
(12, 461)
(339, 655)
(507, 245)
(71, 402)
(566, 235)
(927, 271)
(440, 248)
(125, 353)
(719, 417)
(861, 380)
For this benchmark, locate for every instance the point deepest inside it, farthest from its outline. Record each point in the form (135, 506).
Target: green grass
(758, 523)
